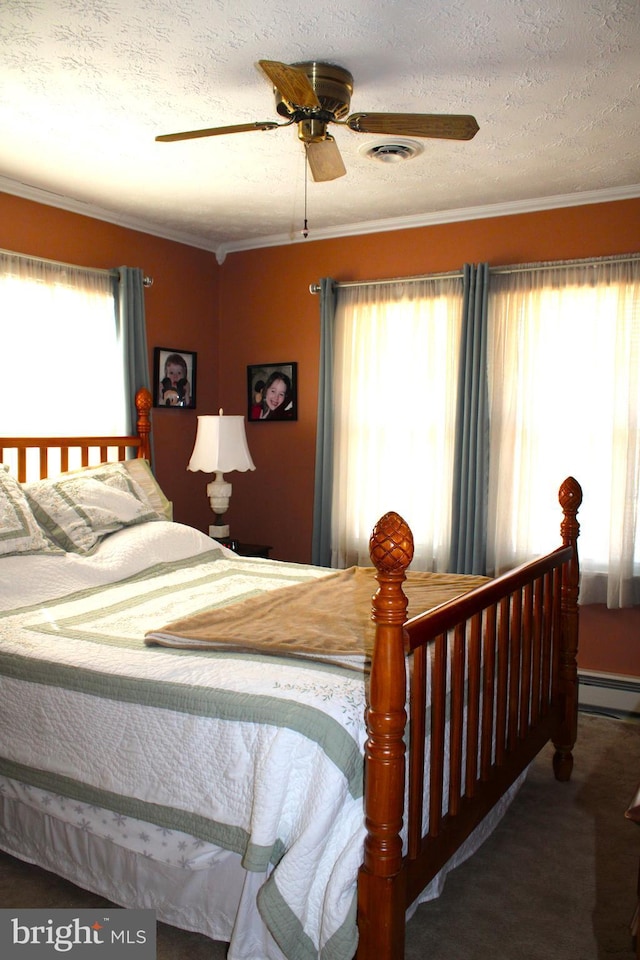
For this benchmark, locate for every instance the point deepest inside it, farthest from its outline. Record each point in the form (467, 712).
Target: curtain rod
(563, 264)
(552, 265)
(147, 281)
(315, 287)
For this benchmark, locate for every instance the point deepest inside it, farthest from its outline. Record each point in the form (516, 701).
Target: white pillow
(19, 530)
(140, 471)
(78, 510)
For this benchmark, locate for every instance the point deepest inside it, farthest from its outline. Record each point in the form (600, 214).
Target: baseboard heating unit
(609, 693)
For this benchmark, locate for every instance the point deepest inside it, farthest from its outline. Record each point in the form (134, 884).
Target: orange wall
(610, 640)
(256, 308)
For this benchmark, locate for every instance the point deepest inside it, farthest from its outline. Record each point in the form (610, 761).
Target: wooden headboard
(90, 449)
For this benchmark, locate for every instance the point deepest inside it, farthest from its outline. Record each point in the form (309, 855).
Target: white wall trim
(432, 219)
(50, 199)
(221, 250)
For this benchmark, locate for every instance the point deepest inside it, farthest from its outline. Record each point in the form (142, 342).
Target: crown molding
(482, 212)
(28, 192)
(51, 199)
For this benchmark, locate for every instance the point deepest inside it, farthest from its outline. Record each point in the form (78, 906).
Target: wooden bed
(511, 686)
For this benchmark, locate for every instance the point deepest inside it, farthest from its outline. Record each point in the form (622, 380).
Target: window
(396, 371)
(63, 360)
(576, 327)
(563, 370)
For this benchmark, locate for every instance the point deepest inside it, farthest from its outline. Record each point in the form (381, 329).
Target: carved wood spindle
(570, 498)
(381, 893)
(143, 425)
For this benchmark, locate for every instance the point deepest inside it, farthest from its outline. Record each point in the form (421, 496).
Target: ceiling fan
(313, 95)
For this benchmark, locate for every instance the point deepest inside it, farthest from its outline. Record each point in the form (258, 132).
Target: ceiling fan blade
(325, 161)
(218, 131)
(440, 126)
(291, 82)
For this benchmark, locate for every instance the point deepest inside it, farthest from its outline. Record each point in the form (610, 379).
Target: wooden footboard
(493, 678)
(87, 449)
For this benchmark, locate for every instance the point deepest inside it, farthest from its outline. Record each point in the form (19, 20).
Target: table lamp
(221, 446)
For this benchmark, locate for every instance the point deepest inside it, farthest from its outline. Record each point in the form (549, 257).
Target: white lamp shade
(221, 445)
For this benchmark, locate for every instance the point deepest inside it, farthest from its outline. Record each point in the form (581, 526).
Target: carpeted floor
(556, 881)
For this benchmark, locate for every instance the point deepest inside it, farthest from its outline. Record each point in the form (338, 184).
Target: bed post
(381, 895)
(143, 424)
(570, 497)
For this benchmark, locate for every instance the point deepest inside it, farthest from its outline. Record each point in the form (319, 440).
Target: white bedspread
(251, 753)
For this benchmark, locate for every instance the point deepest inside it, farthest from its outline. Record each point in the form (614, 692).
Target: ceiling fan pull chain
(305, 229)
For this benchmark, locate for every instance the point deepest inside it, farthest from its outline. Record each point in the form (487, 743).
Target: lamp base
(218, 532)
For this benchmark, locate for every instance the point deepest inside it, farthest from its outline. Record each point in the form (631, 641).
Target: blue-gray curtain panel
(133, 335)
(471, 463)
(321, 541)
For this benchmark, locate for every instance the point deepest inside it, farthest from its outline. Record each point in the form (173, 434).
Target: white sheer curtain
(564, 369)
(63, 366)
(396, 374)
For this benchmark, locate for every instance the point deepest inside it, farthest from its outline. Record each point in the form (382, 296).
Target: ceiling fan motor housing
(333, 87)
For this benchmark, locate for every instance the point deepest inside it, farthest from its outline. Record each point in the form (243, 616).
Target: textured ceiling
(86, 85)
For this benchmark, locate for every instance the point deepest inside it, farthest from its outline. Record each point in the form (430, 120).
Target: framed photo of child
(174, 378)
(272, 391)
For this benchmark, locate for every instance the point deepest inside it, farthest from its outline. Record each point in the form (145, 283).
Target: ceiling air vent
(392, 151)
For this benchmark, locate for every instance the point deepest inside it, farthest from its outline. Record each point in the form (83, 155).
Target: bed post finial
(143, 424)
(380, 910)
(391, 544)
(570, 498)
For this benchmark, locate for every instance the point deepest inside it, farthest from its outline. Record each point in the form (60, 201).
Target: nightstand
(246, 549)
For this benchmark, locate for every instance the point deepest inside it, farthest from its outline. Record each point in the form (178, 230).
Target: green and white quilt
(256, 754)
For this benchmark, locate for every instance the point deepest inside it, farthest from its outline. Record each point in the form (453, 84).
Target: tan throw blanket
(327, 619)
